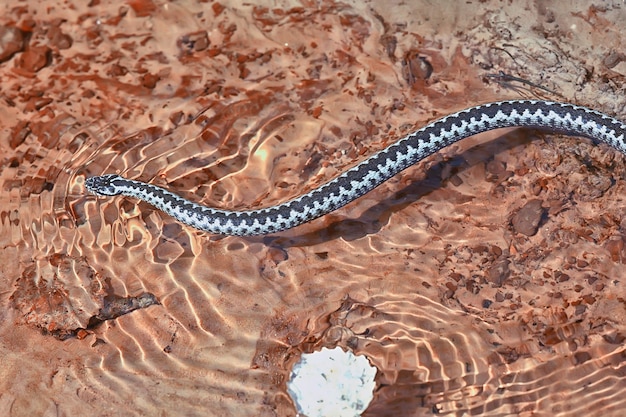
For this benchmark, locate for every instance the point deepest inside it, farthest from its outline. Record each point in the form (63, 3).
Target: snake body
(561, 117)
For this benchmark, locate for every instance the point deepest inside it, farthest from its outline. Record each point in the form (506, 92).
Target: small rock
(415, 68)
(57, 38)
(332, 382)
(194, 42)
(11, 41)
(498, 272)
(34, 59)
(149, 80)
(526, 220)
(58, 294)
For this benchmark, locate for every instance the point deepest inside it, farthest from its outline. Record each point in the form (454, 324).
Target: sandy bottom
(487, 280)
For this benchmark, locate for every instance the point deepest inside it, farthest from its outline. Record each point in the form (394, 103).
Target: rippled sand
(487, 280)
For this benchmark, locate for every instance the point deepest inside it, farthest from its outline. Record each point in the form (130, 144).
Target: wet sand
(486, 280)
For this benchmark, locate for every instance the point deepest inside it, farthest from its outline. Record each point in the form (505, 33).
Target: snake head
(103, 185)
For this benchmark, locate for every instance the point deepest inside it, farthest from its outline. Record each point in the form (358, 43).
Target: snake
(564, 118)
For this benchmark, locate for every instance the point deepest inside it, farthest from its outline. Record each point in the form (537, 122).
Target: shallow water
(484, 281)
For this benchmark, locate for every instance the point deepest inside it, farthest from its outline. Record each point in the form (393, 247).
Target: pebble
(526, 220)
(11, 41)
(34, 59)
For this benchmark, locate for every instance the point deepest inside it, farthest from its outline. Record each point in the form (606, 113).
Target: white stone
(331, 382)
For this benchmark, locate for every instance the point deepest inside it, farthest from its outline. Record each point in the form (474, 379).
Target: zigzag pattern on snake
(561, 117)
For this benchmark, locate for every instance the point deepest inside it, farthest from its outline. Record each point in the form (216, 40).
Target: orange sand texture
(487, 280)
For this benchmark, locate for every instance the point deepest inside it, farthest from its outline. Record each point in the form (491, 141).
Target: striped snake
(367, 175)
